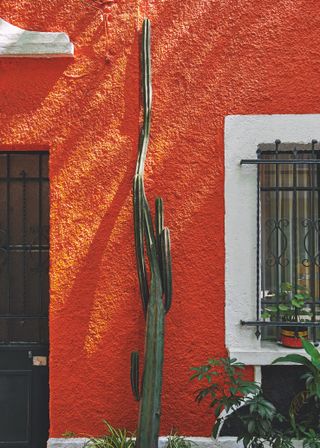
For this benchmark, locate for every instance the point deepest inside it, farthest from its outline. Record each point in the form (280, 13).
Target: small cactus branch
(134, 375)
(159, 224)
(166, 268)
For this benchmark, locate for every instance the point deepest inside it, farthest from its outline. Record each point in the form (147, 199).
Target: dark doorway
(24, 299)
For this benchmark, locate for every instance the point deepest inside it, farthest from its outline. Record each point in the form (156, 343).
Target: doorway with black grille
(24, 299)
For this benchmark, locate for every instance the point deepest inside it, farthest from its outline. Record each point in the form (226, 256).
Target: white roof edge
(17, 42)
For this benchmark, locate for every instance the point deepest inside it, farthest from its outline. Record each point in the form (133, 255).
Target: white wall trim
(200, 442)
(243, 133)
(17, 42)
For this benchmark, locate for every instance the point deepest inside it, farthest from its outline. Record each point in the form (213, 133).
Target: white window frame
(243, 133)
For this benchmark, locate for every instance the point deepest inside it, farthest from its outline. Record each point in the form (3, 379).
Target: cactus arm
(134, 375)
(159, 222)
(166, 268)
(147, 97)
(138, 205)
(139, 198)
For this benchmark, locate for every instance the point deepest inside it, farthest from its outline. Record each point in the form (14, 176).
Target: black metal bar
(254, 323)
(16, 345)
(24, 247)
(313, 264)
(273, 302)
(294, 230)
(318, 239)
(23, 317)
(40, 243)
(277, 263)
(28, 179)
(8, 241)
(258, 286)
(21, 152)
(24, 236)
(279, 162)
(290, 188)
(289, 151)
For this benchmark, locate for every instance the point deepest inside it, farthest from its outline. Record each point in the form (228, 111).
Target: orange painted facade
(210, 58)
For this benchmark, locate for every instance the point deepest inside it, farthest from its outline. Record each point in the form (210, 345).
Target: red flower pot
(290, 337)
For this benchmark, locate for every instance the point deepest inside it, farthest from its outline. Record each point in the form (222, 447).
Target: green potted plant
(230, 394)
(293, 307)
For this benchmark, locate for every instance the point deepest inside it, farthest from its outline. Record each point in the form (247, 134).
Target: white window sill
(263, 356)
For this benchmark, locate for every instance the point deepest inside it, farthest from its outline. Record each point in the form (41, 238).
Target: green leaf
(251, 426)
(300, 297)
(297, 303)
(311, 350)
(296, 359)
(216, 428)
(218, 410)
(283, 307)
(271, 308)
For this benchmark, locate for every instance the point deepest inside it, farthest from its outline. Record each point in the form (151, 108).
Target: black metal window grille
(24, 247)
(288, 234)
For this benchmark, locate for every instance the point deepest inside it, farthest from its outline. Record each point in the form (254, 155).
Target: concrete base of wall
(200, 442)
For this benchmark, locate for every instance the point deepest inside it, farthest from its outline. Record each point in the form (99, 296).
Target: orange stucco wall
(210, 58)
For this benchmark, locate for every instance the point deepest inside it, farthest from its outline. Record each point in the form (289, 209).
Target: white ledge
(263, 356)
(199, 442)
(16, 42)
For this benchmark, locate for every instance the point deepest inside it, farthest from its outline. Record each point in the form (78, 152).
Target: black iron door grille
(24, 298)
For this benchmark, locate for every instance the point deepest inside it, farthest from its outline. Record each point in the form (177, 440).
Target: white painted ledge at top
(17, 42)
(200, 442)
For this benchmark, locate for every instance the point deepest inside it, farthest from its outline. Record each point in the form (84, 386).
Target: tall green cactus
(152, 244)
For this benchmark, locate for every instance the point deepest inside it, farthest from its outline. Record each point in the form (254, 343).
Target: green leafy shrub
(115, 438)
(69, 434)
(223, 384)
(176, 441)
(228, 390)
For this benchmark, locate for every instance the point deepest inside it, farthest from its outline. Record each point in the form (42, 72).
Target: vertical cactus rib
(166, 268)
(134, 375)
(152, 244)
(159, 220)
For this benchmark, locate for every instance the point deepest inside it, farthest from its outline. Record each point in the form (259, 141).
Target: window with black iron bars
(288, 240)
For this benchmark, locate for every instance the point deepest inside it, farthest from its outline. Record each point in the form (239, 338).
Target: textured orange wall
(210, 58)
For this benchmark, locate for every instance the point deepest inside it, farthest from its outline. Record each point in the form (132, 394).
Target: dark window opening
(288, 240)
